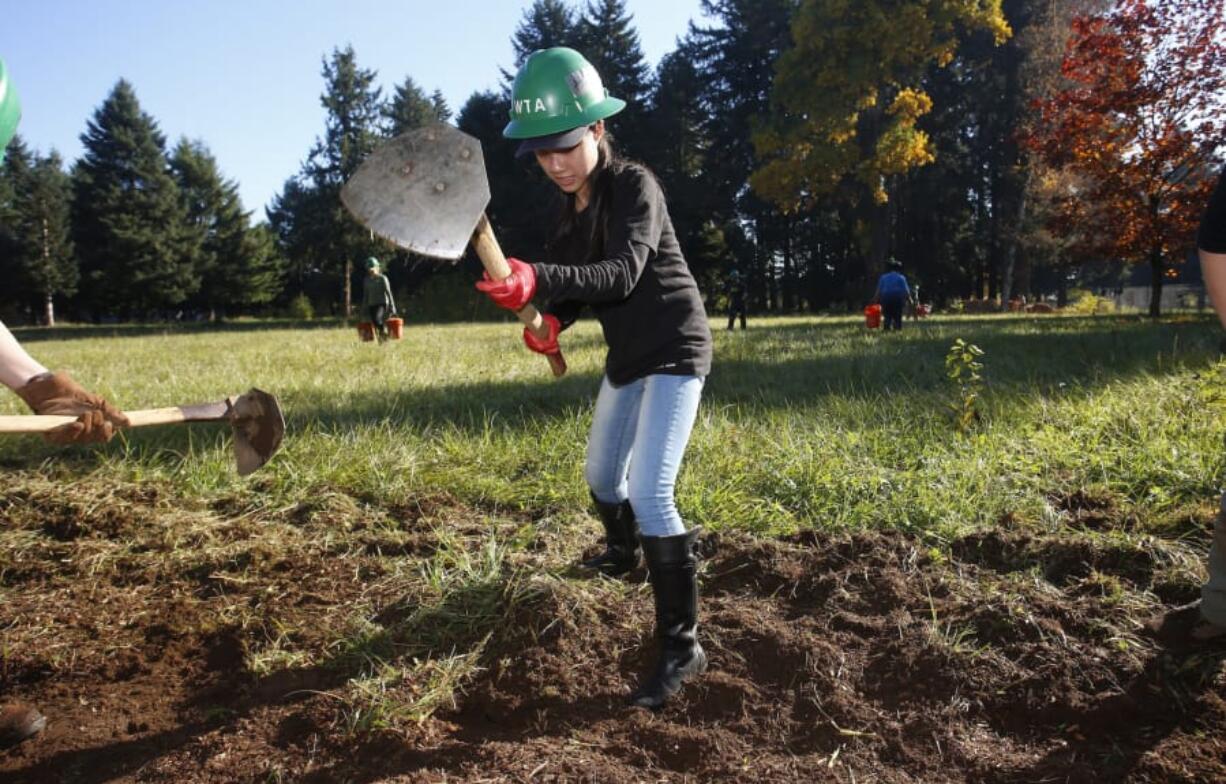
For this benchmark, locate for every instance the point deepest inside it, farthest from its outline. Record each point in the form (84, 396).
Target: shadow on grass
(125, 330)
(805, 363)
(772, 367)
(86, 331)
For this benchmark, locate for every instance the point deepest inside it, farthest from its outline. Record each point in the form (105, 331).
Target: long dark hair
(566, 221)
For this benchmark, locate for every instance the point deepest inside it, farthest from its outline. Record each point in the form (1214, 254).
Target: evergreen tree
(13, 173)
(545, 24)
(676, 146)
(736, 57)
(44, 244)
(944, 249)
(263, 267)
(442, 112)
(352, 131)
(520, 196)
(135, 245)
(18, 160)
(298, 219)
(606, 37)
(409, 108)
(235, 266)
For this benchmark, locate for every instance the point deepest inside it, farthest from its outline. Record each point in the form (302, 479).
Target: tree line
(992, 146)
(133, 231)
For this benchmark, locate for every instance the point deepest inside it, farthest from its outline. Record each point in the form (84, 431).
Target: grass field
(805, 423)
(395, 584)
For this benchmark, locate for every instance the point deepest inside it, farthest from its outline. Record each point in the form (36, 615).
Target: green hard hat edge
(557, 90)
(10, 109)
(518, 129)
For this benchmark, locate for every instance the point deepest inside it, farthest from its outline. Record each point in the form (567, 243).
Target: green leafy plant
(963, 368)
(1089, 304)
(300, 308)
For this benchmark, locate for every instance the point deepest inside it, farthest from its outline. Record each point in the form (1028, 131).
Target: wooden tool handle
(34, 423)
(495, 264)
(204, 412)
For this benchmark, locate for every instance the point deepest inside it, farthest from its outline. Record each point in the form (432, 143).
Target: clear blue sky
(244, 77)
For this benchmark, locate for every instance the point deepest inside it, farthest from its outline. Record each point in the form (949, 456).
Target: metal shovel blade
(424, 190)
(258, 426)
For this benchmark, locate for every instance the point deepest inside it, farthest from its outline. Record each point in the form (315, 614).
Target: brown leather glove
(57, 393)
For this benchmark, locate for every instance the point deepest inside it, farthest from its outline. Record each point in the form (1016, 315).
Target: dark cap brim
(558, 141)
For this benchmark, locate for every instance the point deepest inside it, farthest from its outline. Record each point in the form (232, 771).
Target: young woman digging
(613, 248)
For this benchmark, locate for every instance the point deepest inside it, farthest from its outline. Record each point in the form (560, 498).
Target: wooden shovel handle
(34, 423)
(495, 264)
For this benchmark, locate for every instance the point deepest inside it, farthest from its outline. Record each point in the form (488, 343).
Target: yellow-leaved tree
(847, 98)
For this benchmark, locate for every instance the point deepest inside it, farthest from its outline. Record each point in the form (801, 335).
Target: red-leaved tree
(1139, 121)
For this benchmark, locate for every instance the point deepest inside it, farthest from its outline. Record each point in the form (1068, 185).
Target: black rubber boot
(674, 581)
(18, 722)
(621, 553)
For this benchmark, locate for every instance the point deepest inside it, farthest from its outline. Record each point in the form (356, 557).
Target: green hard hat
(557, 94)
(372, 263)
(10, 109)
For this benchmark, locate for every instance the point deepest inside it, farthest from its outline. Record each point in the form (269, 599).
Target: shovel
(426, 191)
(254, 417)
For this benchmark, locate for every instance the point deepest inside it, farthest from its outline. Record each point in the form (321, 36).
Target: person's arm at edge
(1213, 268)
(16, 366)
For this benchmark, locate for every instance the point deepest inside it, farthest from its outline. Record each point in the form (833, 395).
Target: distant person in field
(612, 248)
(736, 298)
(377, 302)
(893, 294)
(44, 392)
(1210, 613)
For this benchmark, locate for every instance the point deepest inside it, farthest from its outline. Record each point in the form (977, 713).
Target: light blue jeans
(639, 434)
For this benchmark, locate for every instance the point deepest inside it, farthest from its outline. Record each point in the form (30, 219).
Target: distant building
(1184, 289)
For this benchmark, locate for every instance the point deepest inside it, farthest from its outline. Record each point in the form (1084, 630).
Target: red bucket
(872, 316)
(366, 331)
(395, 327)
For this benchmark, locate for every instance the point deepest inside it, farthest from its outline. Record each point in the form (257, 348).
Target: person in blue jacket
(893, 294)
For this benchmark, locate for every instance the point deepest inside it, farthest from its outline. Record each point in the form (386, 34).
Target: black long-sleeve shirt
(638, 284)
(1212, 235)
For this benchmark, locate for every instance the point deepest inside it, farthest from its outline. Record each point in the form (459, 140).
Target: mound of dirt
(1006, 658)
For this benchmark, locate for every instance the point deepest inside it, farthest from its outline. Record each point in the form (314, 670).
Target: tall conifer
(45, 250)
(545, 24)
(409, 108)
(235, 269)
(352, 130)
(135, 245)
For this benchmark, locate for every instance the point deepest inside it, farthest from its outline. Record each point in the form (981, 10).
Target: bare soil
(1004, 656)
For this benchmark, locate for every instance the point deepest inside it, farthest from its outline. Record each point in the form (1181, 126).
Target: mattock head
(424, 190)
(258, 427)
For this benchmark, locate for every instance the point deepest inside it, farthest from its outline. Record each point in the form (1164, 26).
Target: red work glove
(550, 344)
(57, 393)
(514, 291)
